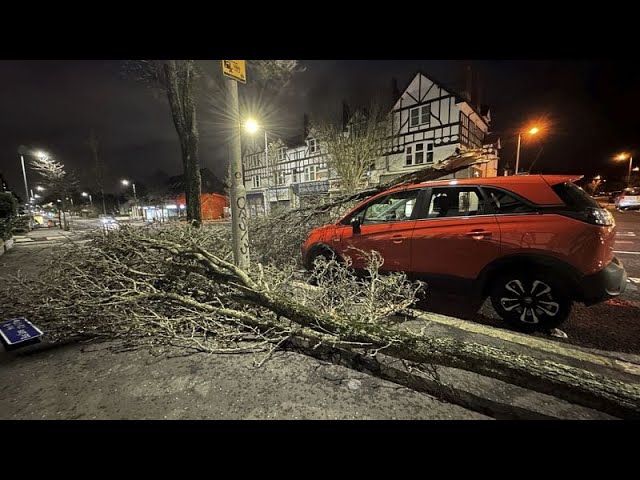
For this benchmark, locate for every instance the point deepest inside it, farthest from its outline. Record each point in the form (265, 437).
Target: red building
(212, 205)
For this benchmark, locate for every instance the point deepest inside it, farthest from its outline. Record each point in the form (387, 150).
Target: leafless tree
(59, 182)
(352, 153)
(177, 79)
(94, 144)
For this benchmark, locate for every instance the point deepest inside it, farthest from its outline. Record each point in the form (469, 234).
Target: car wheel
(530, 300)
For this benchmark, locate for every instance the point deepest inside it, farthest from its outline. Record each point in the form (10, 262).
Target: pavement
(106, 380)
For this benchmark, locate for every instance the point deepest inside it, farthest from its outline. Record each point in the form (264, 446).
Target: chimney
(479, 93)
(305, 124)
(346, 114)
(468, 90)
(395, 91)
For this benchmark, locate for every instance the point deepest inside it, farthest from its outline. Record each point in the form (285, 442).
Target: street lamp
(85, 194)
(252, 126)
(135, 198)
(40, 188)
(624, 156)
(532, 131)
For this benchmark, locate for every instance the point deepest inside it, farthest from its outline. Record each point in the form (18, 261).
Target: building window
(409, 157)
(281, 154)
(419, 153)
(420, 116)
(280, 178)
(429, 152)
(256, 181)
(313, 145)
(311, 173)
(296, 175)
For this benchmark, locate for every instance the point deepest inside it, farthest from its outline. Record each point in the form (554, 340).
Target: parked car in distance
(613, 195)
(108, 222)
(534, 244)
(629, 199)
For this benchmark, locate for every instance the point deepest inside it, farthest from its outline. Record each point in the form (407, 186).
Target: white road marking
(630, 253)
(624, 241)
(626, 234)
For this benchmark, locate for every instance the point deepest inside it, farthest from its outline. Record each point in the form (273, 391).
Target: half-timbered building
(428, 122)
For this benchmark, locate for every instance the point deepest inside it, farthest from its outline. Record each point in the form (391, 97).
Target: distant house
(213, 199)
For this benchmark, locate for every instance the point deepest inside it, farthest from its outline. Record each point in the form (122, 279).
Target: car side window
(455, 202)
(504, 203)
(394, 207)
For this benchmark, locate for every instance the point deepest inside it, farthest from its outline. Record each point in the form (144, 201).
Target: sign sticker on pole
(235, 69)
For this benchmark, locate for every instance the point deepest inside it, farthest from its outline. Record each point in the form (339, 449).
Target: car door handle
(478, 234)
(398, 238)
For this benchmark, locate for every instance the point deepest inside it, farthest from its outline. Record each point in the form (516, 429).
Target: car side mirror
(355, 223)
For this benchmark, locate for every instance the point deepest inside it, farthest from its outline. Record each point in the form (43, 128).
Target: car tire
(531, 300)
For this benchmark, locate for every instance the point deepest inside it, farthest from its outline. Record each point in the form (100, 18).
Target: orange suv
(533, 243)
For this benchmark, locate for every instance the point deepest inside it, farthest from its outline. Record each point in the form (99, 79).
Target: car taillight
(600, 216)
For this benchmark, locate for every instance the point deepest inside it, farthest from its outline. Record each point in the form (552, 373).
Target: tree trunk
(179, 86)
(569, 383)
(192, 181)
(562, 381)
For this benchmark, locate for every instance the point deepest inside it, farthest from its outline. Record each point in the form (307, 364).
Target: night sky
(590, 107)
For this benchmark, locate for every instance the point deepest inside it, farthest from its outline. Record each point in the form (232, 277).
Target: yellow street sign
(235, 69)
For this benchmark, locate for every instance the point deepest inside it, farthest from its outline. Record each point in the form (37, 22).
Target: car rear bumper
(609, 282)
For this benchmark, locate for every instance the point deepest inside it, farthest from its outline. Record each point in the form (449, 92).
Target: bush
(8, 205)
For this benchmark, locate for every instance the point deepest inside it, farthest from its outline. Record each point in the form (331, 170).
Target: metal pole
(518, 155)
(629, 174)
(239, 230)
(24, 174)
(135, 199)
(90, 200)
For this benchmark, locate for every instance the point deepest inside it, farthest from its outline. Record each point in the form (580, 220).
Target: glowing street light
(624, 156)
(532, 131)
(85, 194)
(40, 188)
(135, 198)
(251, 126)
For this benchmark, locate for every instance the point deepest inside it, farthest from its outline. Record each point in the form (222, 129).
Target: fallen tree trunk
(162, 283)
(563, 381)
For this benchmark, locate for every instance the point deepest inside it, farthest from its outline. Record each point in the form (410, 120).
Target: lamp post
(135, 198)
(624, 156)
(531, 131)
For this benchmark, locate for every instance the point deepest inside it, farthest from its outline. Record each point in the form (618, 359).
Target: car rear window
(574, 197)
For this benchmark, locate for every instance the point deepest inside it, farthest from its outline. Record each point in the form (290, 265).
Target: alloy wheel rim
(530, 303)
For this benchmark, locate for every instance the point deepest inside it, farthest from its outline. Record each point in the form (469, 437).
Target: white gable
(420, 90)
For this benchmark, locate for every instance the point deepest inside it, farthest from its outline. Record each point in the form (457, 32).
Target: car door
(455, 235)
(386, 224)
